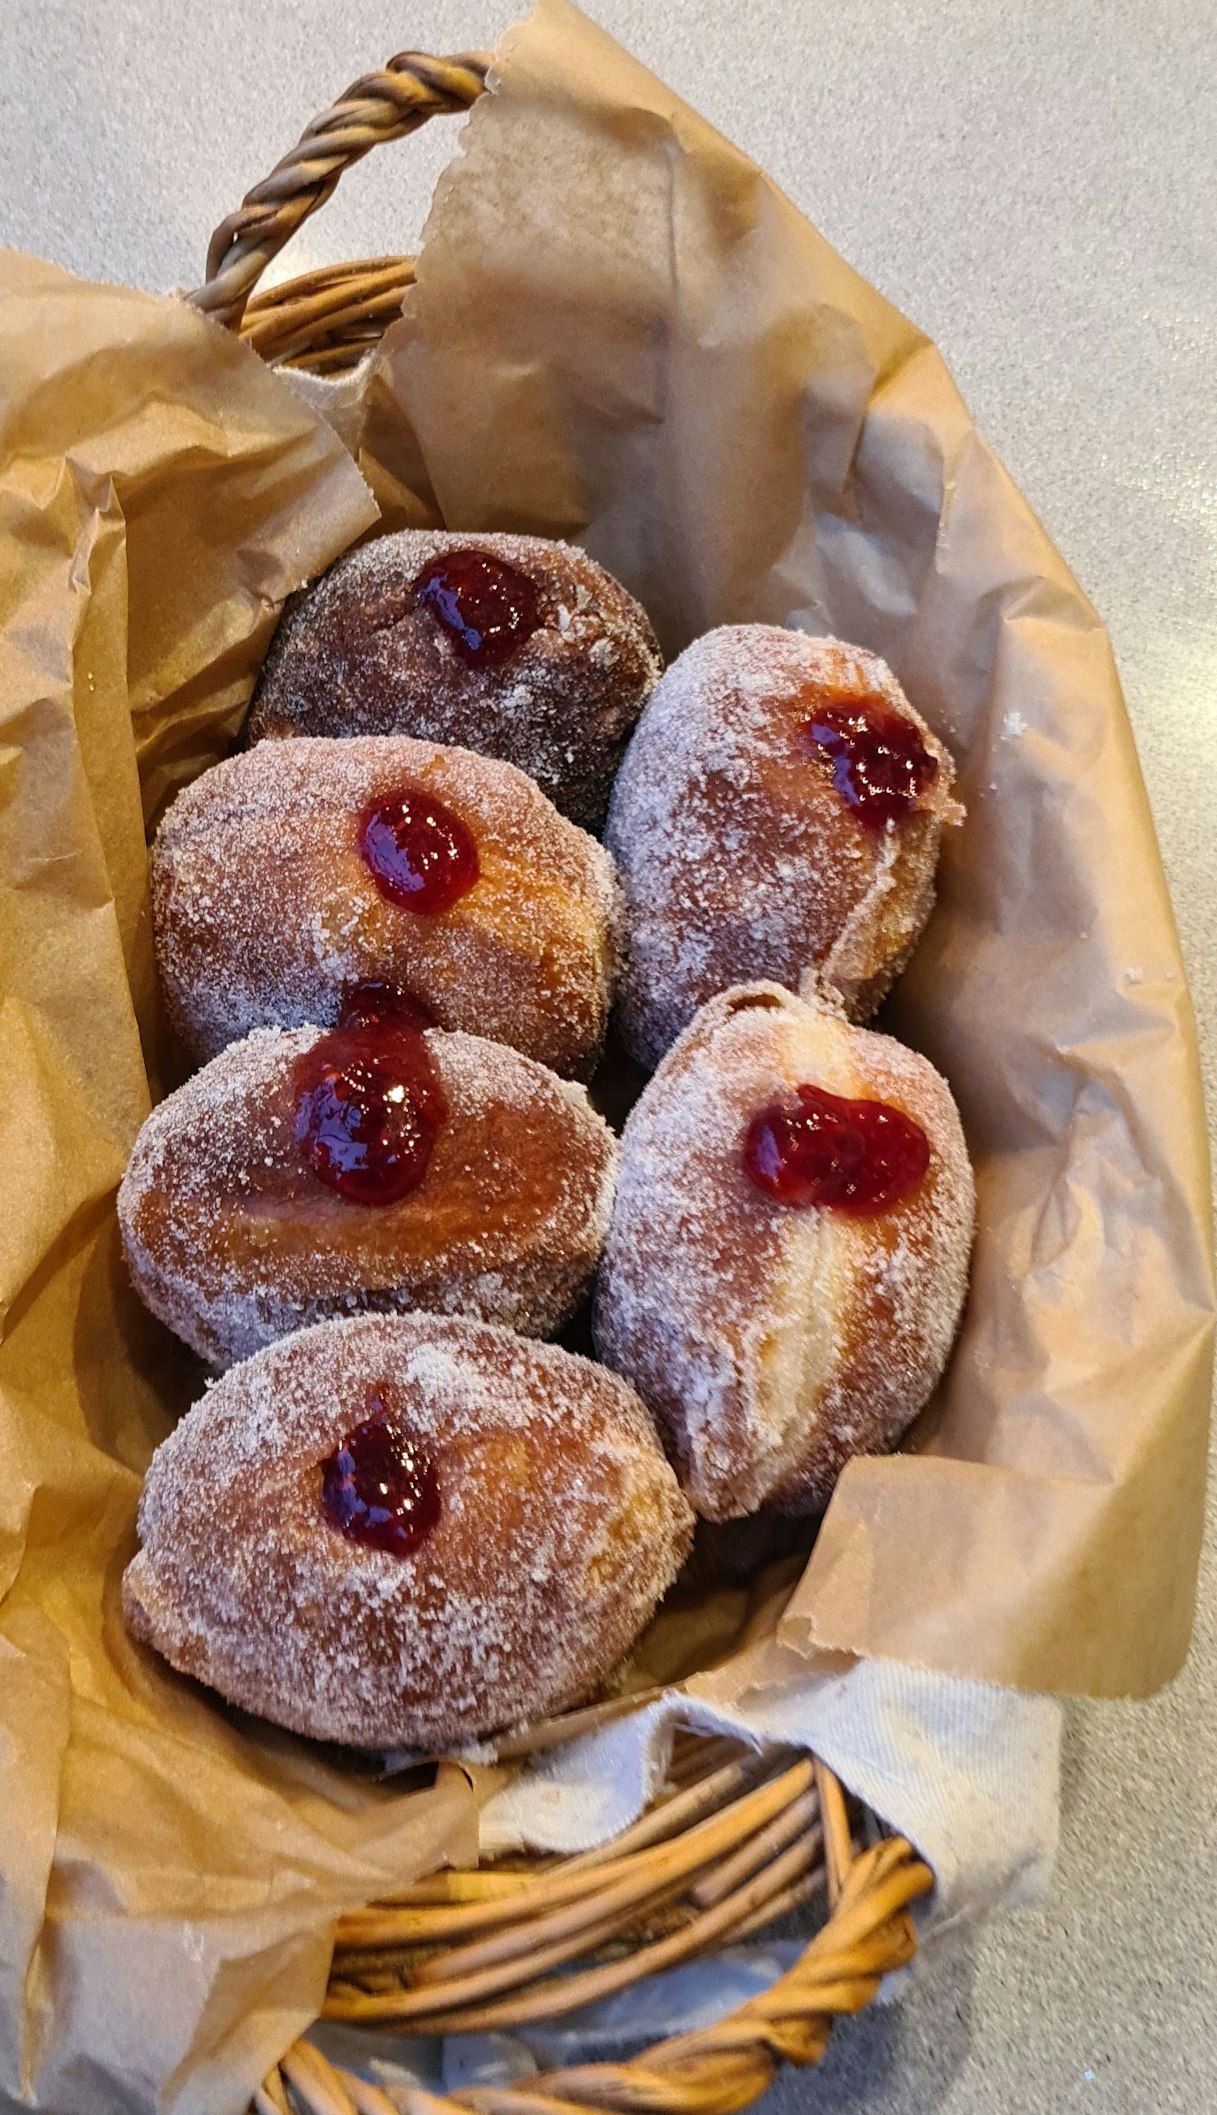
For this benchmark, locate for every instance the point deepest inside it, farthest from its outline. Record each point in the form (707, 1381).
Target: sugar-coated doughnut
(289, 874)
(511, 645)
(406, 1531)
(305, 1173)
(777, 815)
(788, 1253)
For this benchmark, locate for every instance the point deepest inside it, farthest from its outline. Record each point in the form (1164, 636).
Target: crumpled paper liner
(170, 1876)
(620, 332)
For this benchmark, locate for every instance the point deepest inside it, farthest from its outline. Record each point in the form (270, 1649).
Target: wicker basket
(733, 1841)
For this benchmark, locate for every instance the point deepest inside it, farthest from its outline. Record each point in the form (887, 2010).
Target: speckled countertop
(1034, 185)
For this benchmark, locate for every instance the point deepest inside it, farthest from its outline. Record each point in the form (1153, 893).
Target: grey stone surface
(1034, 185)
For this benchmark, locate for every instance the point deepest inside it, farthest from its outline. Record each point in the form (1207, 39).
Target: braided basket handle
(380, 106)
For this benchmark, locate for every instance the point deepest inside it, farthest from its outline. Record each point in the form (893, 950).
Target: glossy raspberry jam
(418, 852)
(487, 608)
(368, 1106)
(369, 1002)
(378, 1487)
(878, 760)
(816, 1148)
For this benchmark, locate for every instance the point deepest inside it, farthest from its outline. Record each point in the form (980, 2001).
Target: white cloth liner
(968, 1772)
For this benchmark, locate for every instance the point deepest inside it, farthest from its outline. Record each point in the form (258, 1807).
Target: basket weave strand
(325, 320)
(713, 1859)
(712, 2071)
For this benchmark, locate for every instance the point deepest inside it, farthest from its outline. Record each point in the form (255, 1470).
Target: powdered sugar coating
(738, 857)
(770, 1342)
(357, 654)
(233, 1242)
(561, 1527)
(265, 914)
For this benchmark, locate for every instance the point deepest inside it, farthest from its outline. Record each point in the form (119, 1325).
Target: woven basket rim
(735, 1840)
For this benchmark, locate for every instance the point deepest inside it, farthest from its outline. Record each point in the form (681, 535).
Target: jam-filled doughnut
(788, 1253)
(291, 874)
(306, 1173)
(510, 645)
(777, 815)
(406, 1531)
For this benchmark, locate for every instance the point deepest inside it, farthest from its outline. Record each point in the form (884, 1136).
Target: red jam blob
(418, 852)
(365, 1004)
(487, 608)
(368, 1105)
(878, 760)
(817, 1148)
(378, 1487)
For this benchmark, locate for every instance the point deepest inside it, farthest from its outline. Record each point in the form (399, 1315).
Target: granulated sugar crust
(738, 857)
(233, 1242)
(561, 1528)
(772, 1343)
(265, 913)
(356, 654)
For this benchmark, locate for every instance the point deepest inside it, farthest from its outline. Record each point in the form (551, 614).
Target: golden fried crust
(772, 1343)
(561, 1526)
(737, 855)
(265, 914)
(234, 1242)
(358, 654)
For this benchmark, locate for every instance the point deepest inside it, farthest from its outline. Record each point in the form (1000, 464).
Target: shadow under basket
(733, 1841)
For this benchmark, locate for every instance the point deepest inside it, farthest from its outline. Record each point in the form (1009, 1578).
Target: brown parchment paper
(168, 1878)
(623, 334)
(620, 333)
